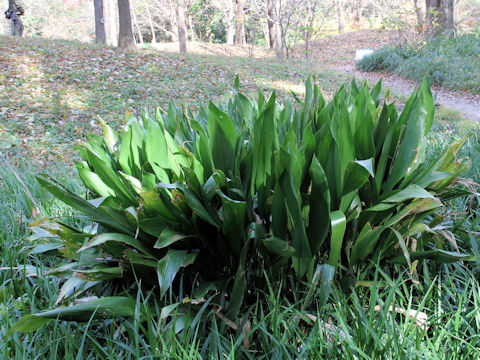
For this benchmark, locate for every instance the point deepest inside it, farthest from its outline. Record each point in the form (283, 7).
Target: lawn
(52, 92)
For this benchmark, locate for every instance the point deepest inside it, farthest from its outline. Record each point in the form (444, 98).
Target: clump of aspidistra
(211, 204)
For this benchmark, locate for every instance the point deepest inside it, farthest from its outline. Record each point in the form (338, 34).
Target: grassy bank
(452, 63)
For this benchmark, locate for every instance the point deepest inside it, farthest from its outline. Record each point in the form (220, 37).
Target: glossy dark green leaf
(319, 221)
(278, 246)
(222, 138)
(338, 225)
(107, 307)
(169, 265)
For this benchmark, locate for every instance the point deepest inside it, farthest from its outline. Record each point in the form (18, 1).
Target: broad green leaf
(439, 255)
(233, 221)
(338, 225)
(107, 307)
(411, 192)
(303, 253)
(365, 243)
(321, 285)
(169, 265)
(357, 174)
(168, 237)
(278, 246)
(92, 181)
(222, 138)
(318, 223)
(279, 212)
(68, 197)
(119, 238)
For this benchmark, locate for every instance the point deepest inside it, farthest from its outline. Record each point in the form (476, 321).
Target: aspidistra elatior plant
(247, 189)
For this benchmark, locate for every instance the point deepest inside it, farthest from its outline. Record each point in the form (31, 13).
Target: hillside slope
(52, 91)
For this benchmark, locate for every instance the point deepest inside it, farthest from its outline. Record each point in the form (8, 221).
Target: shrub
(450, 62)
(221, 201)
(387, 58)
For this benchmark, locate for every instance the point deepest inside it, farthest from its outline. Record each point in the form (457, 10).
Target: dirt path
(467, 104)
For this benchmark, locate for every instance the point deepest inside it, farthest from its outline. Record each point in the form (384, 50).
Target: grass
(349, 326)
(452, 63)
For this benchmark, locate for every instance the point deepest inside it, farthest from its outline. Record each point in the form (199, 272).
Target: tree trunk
(125, 36)
(271, 24)
(229, 19)
(440, 16)
(100, 37)
(111, 21)
(174, 22)
(192, 31)
(182, 28)
(135, 22)
(419, 12)
(152, 28)
(240, 26)
(448, 10)
(341, 17)
(278, 30)
(16, 24)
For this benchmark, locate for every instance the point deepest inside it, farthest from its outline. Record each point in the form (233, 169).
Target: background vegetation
(452, 63)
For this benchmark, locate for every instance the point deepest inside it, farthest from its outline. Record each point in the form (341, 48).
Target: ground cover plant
(208, 203)
(451, 62)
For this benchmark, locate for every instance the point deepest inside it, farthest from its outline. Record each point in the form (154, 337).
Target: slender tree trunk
(174, 21)
(271, 24)
(448, 10)
(419, 12)
(192, 31)
(312, 9)
(111, 21)
(125, 36)
(100, 37)
(341, 17)
(182, 29)
(135, 22)
(240, 26)
(278, 30)
(229, 19)
(152, 28)
(16, 24)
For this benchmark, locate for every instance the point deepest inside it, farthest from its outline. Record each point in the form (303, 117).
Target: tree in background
(100, 37)
(125, 35)
(14, 12)
(136, 24)
(239, 26)
(111, 22)
(253, 21)
(341, 17)
(182, 28)
(271, 24)
(228, 9)
(439, 17)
